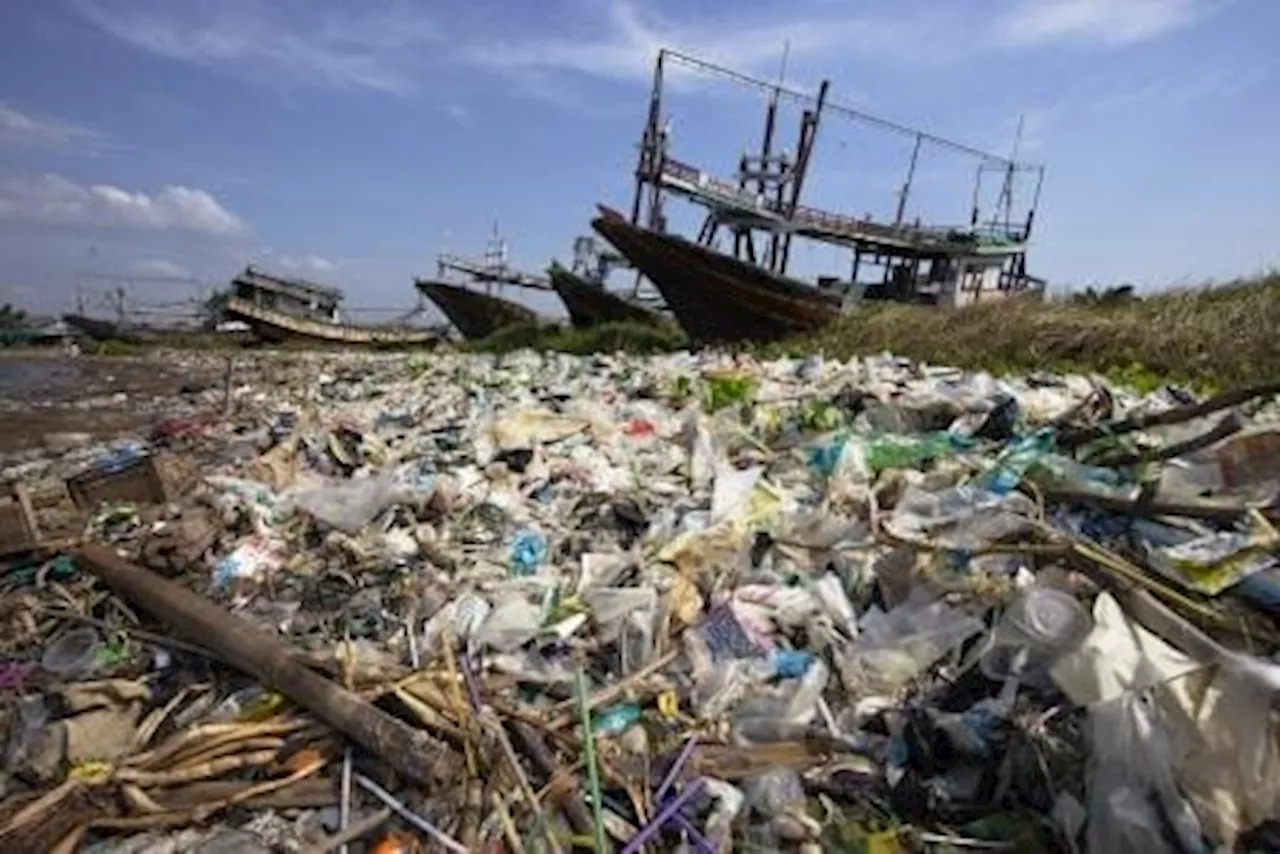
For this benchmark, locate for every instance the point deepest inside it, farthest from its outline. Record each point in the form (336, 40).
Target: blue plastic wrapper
(791, 663)
(615, 719)
(118, 460)
(528, 551)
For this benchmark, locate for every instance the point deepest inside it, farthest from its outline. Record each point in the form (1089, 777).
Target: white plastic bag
(1134, 802)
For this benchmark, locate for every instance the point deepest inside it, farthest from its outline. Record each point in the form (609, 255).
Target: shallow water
(40, 377)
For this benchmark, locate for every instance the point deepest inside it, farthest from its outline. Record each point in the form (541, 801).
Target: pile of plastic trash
(690, 602)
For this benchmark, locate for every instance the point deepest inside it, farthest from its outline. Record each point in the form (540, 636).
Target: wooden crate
(139, 482)
(18, 528)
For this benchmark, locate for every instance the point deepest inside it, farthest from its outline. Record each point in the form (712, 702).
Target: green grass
(1208, 337)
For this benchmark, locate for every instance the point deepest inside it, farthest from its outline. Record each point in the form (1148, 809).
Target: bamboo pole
(410, 753)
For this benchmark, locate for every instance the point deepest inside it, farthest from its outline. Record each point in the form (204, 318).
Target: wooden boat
(591, 304)
(714, 297)
(476, 315)
(274, 326)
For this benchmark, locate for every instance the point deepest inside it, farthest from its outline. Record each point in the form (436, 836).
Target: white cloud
(160, 268)
(631, 41)
(368, 50)
(1112, 22)
(21, 129)
(460, 114)
(54, 199)
(302, 263)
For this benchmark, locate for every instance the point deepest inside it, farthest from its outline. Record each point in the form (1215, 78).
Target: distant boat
(104, 330)
(476, 315)
(716, 297)
(279, 309)
(589, 303)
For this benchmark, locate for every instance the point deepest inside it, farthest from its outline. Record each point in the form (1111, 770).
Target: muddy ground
(44, 393)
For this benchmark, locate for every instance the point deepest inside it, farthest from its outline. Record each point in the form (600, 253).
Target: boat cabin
(296, 297)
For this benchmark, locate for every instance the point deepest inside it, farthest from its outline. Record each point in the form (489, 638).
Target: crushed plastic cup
(1037, 629)
(73, 654)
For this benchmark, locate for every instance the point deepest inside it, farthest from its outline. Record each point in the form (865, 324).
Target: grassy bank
(1222, 336)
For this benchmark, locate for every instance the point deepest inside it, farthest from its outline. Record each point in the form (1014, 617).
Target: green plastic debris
(727, 390)
(908, 452)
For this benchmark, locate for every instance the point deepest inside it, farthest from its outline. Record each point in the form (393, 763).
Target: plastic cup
(72, 654)
(1041, 626)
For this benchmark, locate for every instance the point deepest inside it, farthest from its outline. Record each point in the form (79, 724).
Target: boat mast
(649, 166)
(808, 134)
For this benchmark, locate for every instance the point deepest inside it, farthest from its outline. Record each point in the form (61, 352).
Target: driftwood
(1213, 511)
(1176, 415)
(409, 752)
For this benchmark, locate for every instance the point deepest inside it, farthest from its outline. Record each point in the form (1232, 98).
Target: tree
(11, 317)
(214, 309)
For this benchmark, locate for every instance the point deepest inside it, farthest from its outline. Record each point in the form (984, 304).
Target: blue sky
(351, 142)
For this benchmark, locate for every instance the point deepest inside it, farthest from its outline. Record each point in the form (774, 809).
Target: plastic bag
(510, 625)
(1134, 802)
(350, 505)
(731, 489)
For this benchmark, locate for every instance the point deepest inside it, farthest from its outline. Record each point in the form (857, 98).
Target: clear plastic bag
(1134, 802)
(897, 646)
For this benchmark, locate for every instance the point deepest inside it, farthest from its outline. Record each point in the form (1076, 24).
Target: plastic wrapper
(249, 563)
(897, 646)
(964, 517)
(528, 551)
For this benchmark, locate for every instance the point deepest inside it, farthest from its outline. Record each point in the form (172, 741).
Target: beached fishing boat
(584, 288)
(745, 291)
(475, 314)
(590, 303)
(715, 297)
(471, 304)
(279, 309)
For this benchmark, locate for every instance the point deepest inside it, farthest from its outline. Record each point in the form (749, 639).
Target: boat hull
(716, 298)
(276, 326)
(590, 305)
(476, 315)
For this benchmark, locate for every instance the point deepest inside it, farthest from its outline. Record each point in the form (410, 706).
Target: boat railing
(839, 224)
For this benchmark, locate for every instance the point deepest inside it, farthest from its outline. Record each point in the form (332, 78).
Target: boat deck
(278, 324)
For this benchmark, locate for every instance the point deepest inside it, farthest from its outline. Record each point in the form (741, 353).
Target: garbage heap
(685, 603)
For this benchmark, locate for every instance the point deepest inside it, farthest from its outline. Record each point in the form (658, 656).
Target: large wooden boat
(475, 314)
(745, 290)
(715, 297)
(591, 303)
